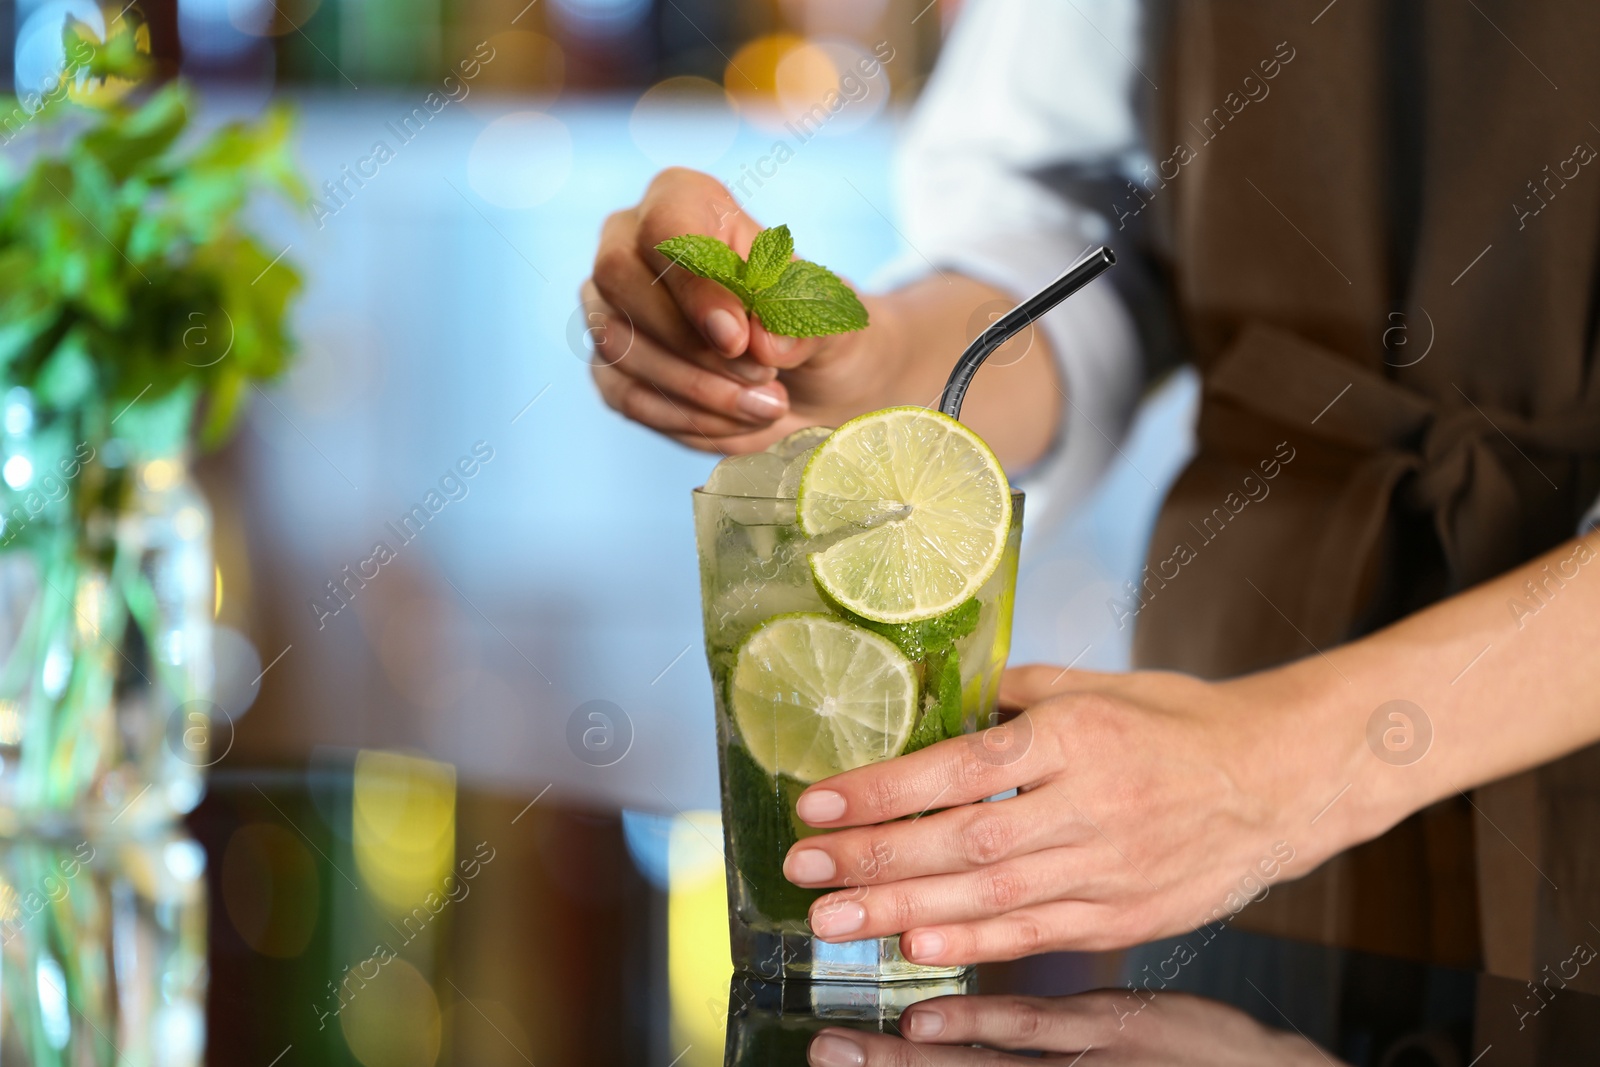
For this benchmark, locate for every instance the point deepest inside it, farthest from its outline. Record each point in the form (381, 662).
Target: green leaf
(158, 424)
(761, 832)
(928, 731)
(809, 301)
(950, 704)
(223, 408)
(770, 253)
(943, 712)
(930, 637)
(117, 57)
(123, 146)
(68, 375)
(709, 258)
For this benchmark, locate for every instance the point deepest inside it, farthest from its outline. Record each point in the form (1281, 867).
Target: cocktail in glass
(757, 583)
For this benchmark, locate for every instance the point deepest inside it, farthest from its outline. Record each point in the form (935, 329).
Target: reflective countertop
(372, 911)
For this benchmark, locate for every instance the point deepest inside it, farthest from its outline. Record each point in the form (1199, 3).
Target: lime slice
(932, 503)
(813, 696)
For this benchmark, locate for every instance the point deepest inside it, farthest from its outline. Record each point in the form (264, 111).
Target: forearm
(1505, 679)
(1014, 402)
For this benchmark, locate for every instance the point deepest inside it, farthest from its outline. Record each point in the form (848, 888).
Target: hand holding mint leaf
(791, 297)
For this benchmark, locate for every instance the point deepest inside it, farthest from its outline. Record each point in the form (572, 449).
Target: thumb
(682, 202)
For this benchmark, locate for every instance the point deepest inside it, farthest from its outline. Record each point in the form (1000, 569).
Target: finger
(967, 838)
(838, 1047)
(625, 281)
(612, 333)
(769, 349)
(648, 405)
(702, 390)
(1039, 1024)
(895, 907)
(682, 201)
(707, 388)
(1025, 686)
(742, 443)
(1064, 925)
(950, 773)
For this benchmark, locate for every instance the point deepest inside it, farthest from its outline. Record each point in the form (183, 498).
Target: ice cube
(756, 474)
(800, 441)
(737, 610)
(789, 483)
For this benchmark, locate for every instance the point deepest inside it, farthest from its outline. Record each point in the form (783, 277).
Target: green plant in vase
(137, 309)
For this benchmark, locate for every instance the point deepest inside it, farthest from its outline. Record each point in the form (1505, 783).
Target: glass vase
(106, 606)
(103, 952)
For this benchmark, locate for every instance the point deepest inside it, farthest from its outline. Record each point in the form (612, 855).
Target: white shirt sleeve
(1020, 86)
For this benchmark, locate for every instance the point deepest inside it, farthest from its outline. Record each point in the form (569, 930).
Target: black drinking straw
(1014, 321)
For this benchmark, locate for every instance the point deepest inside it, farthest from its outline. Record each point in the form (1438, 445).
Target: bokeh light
(403, 823)
(684, 121)
(40, 57)
(270, 889)
(520, 160)
(751, 76)
(859, 89)
(788, 84)
(394, 1019)
(802, 79)
(697, 931)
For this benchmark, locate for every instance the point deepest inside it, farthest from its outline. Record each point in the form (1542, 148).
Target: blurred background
(441, 323)
(463, 155)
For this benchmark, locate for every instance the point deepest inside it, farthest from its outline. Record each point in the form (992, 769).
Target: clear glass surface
(754, 566)
(105, 662)
(103, 952)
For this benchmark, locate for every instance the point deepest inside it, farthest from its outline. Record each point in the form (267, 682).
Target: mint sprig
(792, 297)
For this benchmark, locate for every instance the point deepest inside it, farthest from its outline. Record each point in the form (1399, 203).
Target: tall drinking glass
(754, 568)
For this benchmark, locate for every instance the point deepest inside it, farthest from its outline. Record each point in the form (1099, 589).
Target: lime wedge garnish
(813, 696)
(932, 503)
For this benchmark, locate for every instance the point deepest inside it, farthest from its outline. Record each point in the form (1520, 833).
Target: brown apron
(1382, 223)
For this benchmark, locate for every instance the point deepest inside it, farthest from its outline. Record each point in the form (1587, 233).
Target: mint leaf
(809, 301)
(950, 696)
(770, 253)
(929, 731)
(792, 297)
(942, 710)
(930, 637)
(760, 811)
(709, 258)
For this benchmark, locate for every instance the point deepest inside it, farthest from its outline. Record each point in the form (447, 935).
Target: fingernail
(831, 1050)
(809, 866)
(760, 403)
(925, 1024)
(820, 805)
(925, 945)
(837, 920)
(749, 370)
(723, 330)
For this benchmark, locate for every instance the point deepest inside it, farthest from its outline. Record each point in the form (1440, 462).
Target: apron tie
(1432, 456)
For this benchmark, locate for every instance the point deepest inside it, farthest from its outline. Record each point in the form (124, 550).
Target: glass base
(774, 1022)
(774, 957)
